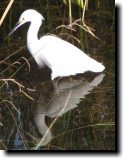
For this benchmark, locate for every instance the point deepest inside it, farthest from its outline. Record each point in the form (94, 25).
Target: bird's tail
(97, 67)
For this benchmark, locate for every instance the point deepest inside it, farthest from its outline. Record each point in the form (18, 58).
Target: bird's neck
(32, 34)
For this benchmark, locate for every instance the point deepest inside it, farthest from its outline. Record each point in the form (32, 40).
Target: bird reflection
(57, 99)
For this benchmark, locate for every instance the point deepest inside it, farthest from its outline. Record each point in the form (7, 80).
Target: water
(73, 113)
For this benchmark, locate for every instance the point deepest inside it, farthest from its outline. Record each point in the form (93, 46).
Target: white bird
(63, 58)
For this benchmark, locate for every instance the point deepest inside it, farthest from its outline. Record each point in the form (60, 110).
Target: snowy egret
(63, 58)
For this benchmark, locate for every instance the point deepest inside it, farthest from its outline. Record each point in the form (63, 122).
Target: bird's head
(28, 16)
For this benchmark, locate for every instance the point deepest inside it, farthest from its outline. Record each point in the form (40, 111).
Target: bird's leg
(55, 83)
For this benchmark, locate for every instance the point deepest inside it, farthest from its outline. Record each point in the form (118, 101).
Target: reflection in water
(64, 97)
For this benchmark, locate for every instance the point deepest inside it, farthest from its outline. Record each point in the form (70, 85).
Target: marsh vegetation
(77, 113)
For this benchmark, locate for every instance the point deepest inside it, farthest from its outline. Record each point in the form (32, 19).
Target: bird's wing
(62, 54)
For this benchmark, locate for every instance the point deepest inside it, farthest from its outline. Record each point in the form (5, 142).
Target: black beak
(16, 26)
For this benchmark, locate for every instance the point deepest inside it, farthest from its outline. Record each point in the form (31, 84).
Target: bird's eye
(22, 18)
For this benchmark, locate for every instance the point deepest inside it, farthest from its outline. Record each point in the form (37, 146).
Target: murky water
(73, 113)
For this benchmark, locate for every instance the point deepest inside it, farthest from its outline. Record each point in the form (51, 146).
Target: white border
(121, 155)
(121, 5)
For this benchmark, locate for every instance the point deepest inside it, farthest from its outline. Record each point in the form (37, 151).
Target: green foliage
(79, 3)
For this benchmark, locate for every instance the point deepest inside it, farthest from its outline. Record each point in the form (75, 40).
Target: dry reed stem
(14, 81)
(91, 125)
(27, 95)
(65, 26)
(75, 23)
(6, 11)
(4, 101)
(20, 86)
(70, 14)
(12, 54)
(84, 8)
(3, 144)
(11, 65)
(69, 35)
(26, 62)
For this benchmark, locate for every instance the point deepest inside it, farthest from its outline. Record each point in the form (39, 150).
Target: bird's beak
(19, 23)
